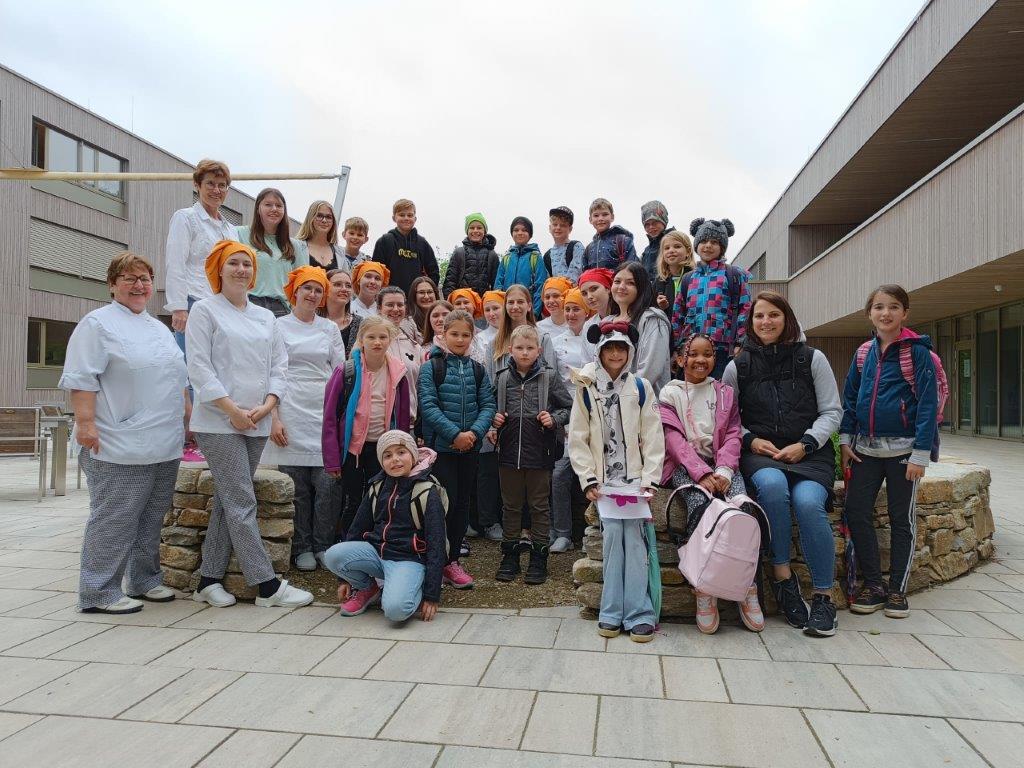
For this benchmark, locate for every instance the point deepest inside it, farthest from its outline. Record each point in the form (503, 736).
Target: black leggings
(457, 473)
(355, 477)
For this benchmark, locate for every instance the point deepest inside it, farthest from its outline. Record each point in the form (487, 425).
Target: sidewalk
(180, 684)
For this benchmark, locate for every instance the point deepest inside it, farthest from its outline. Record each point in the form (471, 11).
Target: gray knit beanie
(654, 210)
(711, 229)
(397, 437)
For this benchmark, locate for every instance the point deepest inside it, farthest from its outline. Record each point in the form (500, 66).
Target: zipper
(462, 383)
(391, 512)
(903, 412)
(874, 393)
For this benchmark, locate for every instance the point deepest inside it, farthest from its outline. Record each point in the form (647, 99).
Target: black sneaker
(870, 598)
(608, 630)
(464, 550)
(791, 604)
(897, 607)
(642, 633)
(822, 622)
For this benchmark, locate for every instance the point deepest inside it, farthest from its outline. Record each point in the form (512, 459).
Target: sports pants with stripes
(865, 481)
(127, 504)
(233, 459)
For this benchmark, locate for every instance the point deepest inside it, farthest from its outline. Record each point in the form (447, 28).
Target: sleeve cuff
(845, 439)
(82, 381)
(725, 472)
(210, 392)
(920, 458)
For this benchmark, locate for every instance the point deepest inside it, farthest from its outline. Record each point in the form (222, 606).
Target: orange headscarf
(560, 284)
(302, 275)
(469, 293)
(575, 296)
(220, 254)
(498, 296)
(370, 266)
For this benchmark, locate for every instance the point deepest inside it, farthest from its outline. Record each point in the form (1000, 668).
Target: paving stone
(252, 749)
(301, 620)
(474, 757)
(128, 645)
(999, 743)
(357, 753)
(240, 617)
(529, 631)
(1014, 601)
(67, 635)
(476, 717)
(843, 647)
(170, 704)
(1012, 623)
(788, 684)
(562, 722)
(729, 734)
(905, 651)
(1013, 582)
(152, 615)
(15, 631)
(939, 693)
(579, 635)
(45, 609)
(40, 559)
(558, 612)
(65, 584)
(80, 742)
(16, 598)
(251, 652)
(693, 679)
(102, 690)
(974, 654)
(575, 672)
(862, 740)
(945, 599)
(970, 624)
(19, 676)
(918, 622)
(373, 624)
(686, 640)
(354, 658)
(31, 578)
(328, 706)
(11, 722)
(443, 663)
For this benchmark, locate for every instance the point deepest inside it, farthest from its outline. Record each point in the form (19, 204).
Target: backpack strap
(570, 248)
(907, 366)
(348, 383)
(542, 388)
(804, 358)
(732, 277)
(373, 493)
(641, 391)
(439, 370)
(742, 361)
(620, 246)
(500, 382)
(862, 354)
(547, 260)
(586, 398)
(478, 372)
(418, 502)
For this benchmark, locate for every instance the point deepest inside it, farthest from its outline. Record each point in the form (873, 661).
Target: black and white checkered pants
(233, 460)
(127, 504)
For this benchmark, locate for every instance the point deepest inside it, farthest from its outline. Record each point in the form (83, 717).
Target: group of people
(412, 418)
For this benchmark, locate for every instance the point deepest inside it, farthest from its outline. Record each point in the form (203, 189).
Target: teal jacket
(523, 265)
(464, 402)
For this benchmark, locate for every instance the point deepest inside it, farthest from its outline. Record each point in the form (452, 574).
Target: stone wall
(185, 527)
(954, 533)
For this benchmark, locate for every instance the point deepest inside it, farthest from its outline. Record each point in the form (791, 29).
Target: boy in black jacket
(403, 250)
(398, 535)
(533, 407)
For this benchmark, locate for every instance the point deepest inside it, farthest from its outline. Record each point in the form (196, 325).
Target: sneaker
(360, 600)
(791, 604)
(525, 543)
(561, 544)
(455, 574)
(897, 607)
(642, 633)
(124, 605)
(158, 594)
(215, 595)
(822, 622)
(871, 598)
(707, 613)
(305, 562)
(750, 611)
(608, 630)
(192, 455)
(320, 559)
(472, 533)
(494, 532)
(286, 596)
(464, 550)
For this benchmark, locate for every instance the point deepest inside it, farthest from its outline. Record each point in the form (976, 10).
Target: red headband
(600, 275)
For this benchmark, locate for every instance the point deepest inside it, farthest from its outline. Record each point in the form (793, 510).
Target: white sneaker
(124, 605)
(215, 595)
(320, 559)
(286, 596)
(305, 562)
(561, 544)
(158, 594)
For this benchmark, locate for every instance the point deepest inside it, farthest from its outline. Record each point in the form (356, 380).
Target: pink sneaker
(456, 575)
(360, 600)
(750, 611)
(707, 613)
(192, 455)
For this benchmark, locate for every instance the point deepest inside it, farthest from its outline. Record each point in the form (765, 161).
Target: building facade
(58, 237)
(920, 183)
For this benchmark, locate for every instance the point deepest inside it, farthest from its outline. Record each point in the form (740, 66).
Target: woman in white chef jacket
(237, 366)
(314, 349)
(126, 376)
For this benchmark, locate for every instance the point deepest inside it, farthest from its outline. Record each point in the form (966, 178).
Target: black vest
(776, 391)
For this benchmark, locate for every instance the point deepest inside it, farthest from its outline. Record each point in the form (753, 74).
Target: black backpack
(570, 247)
(439, 369)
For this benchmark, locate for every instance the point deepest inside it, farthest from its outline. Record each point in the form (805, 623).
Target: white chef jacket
(358, 308)
(236, 353)
(190, 238)
(137, 371)
(314, 350)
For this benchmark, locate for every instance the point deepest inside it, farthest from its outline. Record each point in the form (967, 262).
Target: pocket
(419, 546)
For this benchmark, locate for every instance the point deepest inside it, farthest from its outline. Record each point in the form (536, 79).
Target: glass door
(964, 387)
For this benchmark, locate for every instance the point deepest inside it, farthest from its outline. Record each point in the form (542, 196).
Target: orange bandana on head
(575, 296)
(557, 283)
(473, 296)
(370, 266)
(498, 296)
(221, 252)
(302, 275)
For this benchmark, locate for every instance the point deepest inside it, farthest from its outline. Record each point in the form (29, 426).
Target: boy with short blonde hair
(403, 250)
(612, 245)
(355, 233)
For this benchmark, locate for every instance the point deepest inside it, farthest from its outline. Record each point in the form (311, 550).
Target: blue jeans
(358, 562)
(624, 598)
(777, 494)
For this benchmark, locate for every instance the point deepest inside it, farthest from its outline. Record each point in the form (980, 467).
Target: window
(56, 151)
(48, 342)
(758, 270)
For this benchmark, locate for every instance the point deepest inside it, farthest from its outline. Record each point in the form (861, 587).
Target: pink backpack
(907, 368)
(722, 554)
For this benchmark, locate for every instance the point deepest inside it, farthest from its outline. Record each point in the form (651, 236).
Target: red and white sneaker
(192, 455)
(750, 611)
(456, 575)
(360, 600)
(707, 613)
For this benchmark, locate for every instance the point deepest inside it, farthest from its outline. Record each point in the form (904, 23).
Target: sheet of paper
(623, 502)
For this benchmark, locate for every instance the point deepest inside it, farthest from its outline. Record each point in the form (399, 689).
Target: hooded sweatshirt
(649, 258)
(407, 256)
(686, 443)
(609, 249)
(523, 265)
(654, 349)
(473, 265)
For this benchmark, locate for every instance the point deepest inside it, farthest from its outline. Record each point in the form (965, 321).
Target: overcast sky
(506, 108)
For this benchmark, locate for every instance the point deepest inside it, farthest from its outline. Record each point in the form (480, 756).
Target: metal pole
(32, 174)
(339, 197)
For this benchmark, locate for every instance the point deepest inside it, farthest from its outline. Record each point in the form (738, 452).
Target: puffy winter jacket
(649, 258)
(523, 265)
(523, 442)
(473, 265)
(458, 405)
(609, 249)
(407, 256)
(388, 525)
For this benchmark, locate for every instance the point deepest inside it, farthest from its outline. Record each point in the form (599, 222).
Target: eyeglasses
(324, 217)
(135, 279)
